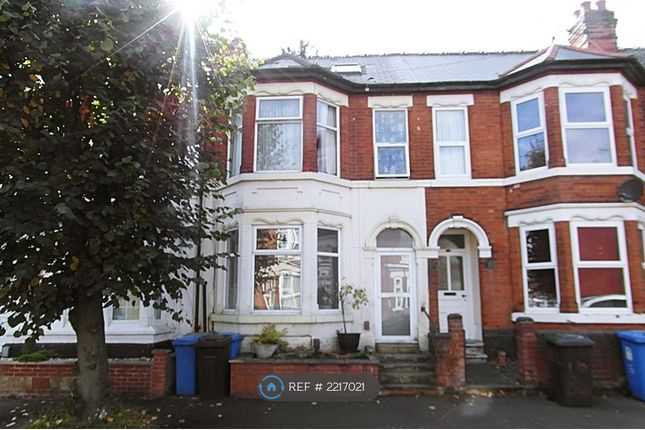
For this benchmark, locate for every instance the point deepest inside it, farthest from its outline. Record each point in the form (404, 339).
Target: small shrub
(40, 355)
(271, 335)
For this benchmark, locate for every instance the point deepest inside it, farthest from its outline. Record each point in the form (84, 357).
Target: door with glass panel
(396, 301)
(454, 283)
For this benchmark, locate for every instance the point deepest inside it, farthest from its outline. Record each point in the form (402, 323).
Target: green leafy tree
(111, 116)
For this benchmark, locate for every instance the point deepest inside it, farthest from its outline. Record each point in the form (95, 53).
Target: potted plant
(356, 297)
(269, 340)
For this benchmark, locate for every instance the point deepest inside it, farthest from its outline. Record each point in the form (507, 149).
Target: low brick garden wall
(534, 355)
(246, 373)
(152, 378)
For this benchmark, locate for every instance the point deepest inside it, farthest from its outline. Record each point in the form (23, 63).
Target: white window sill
(581, 318)
(279, 318)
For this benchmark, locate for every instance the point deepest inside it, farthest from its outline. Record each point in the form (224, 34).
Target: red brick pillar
(451, 355)
(161, 373)
(526, 346)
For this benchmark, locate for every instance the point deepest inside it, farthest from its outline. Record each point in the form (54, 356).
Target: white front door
(455, 285)
(396, 301)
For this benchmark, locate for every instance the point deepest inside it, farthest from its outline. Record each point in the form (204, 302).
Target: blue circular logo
(271, 387)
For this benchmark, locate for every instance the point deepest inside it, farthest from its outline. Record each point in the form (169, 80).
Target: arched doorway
(396, 316)
(458, 243)
(458, 282)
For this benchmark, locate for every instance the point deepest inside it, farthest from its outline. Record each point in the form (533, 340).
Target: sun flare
(191, 9)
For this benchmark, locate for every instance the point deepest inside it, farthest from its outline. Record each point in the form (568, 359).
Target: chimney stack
(595, 28)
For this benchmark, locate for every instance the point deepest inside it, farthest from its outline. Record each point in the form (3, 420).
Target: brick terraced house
(493, 185)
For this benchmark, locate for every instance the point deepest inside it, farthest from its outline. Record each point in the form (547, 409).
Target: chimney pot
(585, 5)
(601, 5)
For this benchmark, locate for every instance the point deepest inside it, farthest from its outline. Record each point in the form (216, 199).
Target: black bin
(213, 372)
(570, 369)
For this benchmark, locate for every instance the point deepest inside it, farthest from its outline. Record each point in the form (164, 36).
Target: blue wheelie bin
(236, 343)
(632, 344)
(186, 367)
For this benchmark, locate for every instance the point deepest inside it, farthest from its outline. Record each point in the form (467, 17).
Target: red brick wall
(564, 189)
(359, 144)
(309, 147)
(451, 355)
(534, 353)
(638, 112)
(421, 139)
(486, 143)
(56, 377)
(486, 207)
(623, 152)
(248, 135)
(245, 375)
(554, 133)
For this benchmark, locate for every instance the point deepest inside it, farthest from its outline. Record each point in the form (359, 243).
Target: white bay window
(327, 138)
(277, 262)
(587, 126)
(278, 134)
(529, 133)
(539, 268)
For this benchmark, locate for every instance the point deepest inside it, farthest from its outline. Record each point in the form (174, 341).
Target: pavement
(475, 410)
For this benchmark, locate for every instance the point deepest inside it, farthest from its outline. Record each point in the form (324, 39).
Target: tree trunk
(92, 379)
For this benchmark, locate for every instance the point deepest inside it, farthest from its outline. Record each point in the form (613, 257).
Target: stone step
(406, 366)
(407, 357)
(475, 352)
(397, 348)
(407, 378)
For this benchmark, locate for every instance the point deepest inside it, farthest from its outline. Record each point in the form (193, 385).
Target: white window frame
(622, 263)
(641, 227)
(405, 145)
(608, 123)
(257, 252)
(629, 130)
(328, 254)
(465, 144)
(526, 266)
(143, 315)
(235, 137)
(518, 135)
(228, 273)
(337, 130)
(284, 120)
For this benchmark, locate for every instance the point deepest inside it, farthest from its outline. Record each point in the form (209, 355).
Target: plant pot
(265, 350)
(348, 341)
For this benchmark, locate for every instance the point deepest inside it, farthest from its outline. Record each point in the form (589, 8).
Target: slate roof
(414, 69)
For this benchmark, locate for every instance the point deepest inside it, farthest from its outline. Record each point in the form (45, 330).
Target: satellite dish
(630, 190)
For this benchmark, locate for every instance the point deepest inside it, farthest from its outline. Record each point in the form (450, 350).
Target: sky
(355, 27)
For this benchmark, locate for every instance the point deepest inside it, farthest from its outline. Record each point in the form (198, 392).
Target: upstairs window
(327, 138)
(539, 266)
(235, 147)
(451, 142)
(629, 131)
(391, 142)
(586, 126)
(278, 134)
(529, 134)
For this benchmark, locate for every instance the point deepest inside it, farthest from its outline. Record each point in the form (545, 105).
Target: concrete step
(475, 352)
(406, 366)
(397, 348)
(415, 357)
(407, 378)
